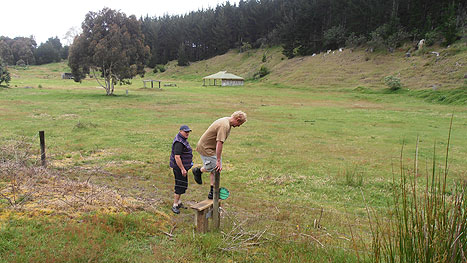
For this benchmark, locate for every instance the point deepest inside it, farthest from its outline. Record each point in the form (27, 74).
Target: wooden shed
(222, 78)
(67, 75)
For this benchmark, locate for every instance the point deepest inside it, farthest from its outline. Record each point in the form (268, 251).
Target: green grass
(455, 96)
(309, 146)
(93, 238)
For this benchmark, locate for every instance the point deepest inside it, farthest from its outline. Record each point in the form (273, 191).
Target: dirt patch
(32, 189)
(366, 105)
(48, 192)
(68, 116)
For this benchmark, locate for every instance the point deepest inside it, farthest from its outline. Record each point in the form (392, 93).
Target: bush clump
(159, 68)
(390, 36)
(263, 71)
(4, 74)
(354, 41)
(334, 37)
(393, 83)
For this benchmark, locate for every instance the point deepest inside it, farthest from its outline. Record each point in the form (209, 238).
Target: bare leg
(176, 199)
(211, 176)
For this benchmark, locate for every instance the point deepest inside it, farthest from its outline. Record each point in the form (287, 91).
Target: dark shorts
(181, 182)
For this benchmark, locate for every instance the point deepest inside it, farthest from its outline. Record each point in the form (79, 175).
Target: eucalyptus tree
(110, 47)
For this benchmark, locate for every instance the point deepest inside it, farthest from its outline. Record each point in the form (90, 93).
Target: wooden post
(215, 210)
(201, 221)
(203, 210)
(152, 84)
(42, 141)
(159, 85)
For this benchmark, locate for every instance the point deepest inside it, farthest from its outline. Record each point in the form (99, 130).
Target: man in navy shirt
(181, 160)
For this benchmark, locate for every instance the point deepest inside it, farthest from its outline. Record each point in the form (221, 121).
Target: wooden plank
(203, 205)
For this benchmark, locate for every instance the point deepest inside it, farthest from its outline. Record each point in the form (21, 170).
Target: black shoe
(197, 175)
(175, 210)
(210, 195)
(181, 206)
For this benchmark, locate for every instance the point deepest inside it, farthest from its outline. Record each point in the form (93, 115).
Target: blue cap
(185, 128)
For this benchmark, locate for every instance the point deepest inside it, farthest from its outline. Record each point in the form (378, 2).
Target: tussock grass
(353, 176)
(428, 223)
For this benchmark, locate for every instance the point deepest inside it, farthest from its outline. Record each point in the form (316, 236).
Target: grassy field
(298, 170)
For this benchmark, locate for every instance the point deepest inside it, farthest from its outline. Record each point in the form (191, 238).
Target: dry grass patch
(34, 190)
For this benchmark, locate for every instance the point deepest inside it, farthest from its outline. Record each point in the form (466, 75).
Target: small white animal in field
(314, 54)
(421, 43)
(436, 53)
(341, 49)
(329, 51)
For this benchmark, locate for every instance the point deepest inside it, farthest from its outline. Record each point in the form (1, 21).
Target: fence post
(42, 141)
(215, 208)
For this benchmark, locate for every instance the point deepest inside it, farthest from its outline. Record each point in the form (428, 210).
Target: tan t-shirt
(218, 131)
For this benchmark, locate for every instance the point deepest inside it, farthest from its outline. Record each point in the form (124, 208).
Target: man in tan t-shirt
(210, 145)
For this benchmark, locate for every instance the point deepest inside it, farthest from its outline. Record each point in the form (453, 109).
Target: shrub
(389, 35)
(376, 38)
(334, 37)
(159, 68)
(431, 37)
(448, 28)
(354, 41)
(245, 47)
(392, 82)
(396, 39)
(4, 74)
(263, 71)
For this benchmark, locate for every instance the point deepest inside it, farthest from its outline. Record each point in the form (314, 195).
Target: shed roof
(223, 75)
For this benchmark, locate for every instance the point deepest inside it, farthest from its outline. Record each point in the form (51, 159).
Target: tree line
(24, 51)
(302, 27)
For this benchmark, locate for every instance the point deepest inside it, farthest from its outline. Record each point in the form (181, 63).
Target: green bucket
(223, 193)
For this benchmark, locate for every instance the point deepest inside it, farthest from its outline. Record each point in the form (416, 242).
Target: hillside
(346, 69)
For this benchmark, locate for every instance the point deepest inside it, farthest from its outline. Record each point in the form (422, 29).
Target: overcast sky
(50, 18)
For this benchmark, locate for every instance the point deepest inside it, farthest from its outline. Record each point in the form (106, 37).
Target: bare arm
(178, 160)
(219, 146)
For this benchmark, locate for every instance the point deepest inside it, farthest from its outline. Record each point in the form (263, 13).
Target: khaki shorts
(209, 162)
